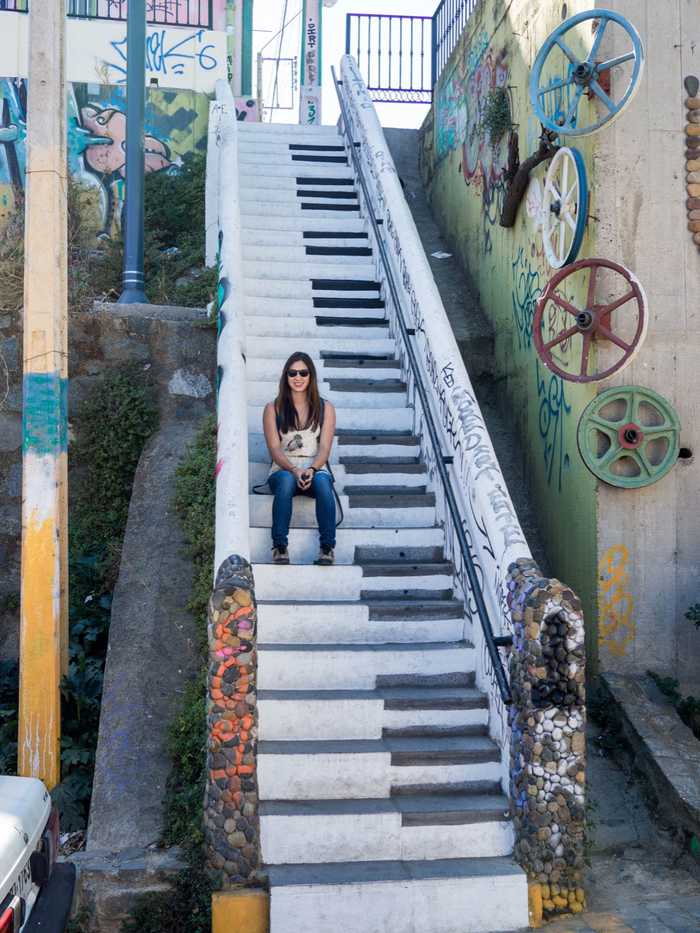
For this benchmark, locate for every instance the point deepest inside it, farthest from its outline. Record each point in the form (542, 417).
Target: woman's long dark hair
(284, 406)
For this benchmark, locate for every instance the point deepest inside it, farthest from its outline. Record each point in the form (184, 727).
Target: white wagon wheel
(564, 207)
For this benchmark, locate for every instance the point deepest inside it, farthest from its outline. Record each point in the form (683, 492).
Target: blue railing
(402, 57)
(393, 53)
(449, 20)
(197, 13)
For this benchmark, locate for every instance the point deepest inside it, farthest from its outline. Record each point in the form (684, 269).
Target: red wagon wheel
(621, 322)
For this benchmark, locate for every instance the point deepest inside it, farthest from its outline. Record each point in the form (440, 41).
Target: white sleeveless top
(300, 447)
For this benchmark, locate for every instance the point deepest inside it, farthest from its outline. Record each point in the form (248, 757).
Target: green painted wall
(464, 169)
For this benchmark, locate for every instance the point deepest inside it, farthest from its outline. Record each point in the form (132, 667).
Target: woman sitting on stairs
(299, 427)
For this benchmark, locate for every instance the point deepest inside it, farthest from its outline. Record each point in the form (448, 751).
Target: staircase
(381, 806)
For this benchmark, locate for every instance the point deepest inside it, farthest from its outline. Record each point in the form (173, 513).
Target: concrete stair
(381, 805)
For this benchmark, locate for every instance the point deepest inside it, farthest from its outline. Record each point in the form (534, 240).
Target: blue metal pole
(132, 215)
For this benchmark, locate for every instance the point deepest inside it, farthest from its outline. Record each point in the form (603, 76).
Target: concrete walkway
(638, 881)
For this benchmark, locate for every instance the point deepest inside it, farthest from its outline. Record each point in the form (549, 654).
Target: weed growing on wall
(190, 892)
(112, 427)
(496, 117)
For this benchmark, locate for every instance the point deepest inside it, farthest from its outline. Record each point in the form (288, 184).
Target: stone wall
(174, 345)
(548, 741)
(231, 823)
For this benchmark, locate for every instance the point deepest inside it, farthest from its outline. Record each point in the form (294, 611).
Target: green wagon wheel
(629, 436)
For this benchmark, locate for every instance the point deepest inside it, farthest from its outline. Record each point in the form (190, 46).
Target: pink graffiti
(483, 161)
(110, 158)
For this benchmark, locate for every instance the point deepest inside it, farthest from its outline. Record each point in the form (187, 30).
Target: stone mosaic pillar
(547, 719)
(231, 824)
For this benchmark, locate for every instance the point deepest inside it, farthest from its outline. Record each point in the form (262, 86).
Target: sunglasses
(298, 372)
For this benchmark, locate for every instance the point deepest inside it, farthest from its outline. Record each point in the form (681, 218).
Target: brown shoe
(326, 556)
(280, 555)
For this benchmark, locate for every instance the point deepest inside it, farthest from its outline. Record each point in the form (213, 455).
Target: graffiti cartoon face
(107, 154)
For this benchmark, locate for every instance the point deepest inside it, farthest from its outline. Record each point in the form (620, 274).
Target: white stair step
(288, 129)
(266, 369)
(364, 769)
(270, 346)
(356, 667)
(305, 181)
(348, 419)
(304, 515)
(301, 287)
(451, 896)
(303, 542)
(343, 268)
(262, 306)
(258, 473)
(362, 830)
(255, 221)
(276, 145)
(251, 169)
(337, 583)
(295, 239)
(260, 392)
(302, 327)
(325, 715)
(299, 194)
(258, 452)
(297, 254)
(349, 623)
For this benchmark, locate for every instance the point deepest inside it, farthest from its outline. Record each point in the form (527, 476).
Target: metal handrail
(492, 643)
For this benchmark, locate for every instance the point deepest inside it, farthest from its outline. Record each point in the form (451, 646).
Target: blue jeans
(284, 487)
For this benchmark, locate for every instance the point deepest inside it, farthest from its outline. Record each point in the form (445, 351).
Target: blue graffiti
(553, 409)
(163, 58)
(527, 289)
(551, 393)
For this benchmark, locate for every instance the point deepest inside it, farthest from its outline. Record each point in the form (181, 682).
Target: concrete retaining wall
(628, 553)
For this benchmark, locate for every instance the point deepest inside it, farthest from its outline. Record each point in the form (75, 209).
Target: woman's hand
(304, 477)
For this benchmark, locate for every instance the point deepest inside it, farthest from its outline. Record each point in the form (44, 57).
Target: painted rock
(696, 238)
(694, 116)
(692, 129)
(694, 191)
(693, 165)
(694, 215)
(694, 226)
(693, 178)
(693, 103)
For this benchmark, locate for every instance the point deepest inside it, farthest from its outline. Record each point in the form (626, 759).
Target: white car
(35, 892)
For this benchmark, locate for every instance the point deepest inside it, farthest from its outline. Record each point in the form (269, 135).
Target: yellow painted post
(43, 625)
(240, 910)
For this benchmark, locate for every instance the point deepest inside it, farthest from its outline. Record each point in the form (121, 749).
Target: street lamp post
(132, 216)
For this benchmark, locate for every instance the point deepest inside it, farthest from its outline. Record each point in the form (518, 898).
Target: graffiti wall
(176, 123)
(481, 101)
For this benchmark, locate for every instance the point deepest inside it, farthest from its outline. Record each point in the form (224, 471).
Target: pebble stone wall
(231, 825)
(692, 156)
(547, 719)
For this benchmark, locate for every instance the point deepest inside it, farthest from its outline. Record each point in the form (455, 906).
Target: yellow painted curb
(534, 904)
(240, 910)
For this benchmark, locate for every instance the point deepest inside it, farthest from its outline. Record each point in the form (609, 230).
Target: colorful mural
(465, 169)
(176, 123)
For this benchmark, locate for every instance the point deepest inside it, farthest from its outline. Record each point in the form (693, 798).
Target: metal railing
(441, 461)
(196, 13)
(449, 20)
(394, 53)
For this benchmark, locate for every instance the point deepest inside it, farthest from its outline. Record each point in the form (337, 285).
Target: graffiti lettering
(553, 409)
(164, 55)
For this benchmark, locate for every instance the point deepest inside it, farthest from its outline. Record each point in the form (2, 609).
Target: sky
(268, 20)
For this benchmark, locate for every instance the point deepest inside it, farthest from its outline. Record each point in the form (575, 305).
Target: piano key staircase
(381, 807)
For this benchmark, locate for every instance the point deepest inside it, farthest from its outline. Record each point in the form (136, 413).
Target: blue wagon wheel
(562, 76)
